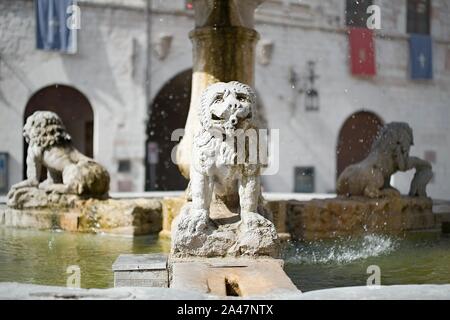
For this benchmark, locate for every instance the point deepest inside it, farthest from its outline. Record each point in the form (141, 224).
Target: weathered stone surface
(330, 218)
(231, 277)
(171, 207)
(31, 197)
(279, 218)
(219, 238)
(141, 270)
(71, 213)
(153, 261)
(18, 291)
(398, 292)
(441, 209)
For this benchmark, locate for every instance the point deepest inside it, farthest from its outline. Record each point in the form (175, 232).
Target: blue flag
(421, 56)
(52, 30)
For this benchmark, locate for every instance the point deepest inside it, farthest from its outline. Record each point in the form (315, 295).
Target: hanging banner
(421, 56)
(55, 27)
(4, 173)
(362, 52)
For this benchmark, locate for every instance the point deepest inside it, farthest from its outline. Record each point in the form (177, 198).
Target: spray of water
(340, 251)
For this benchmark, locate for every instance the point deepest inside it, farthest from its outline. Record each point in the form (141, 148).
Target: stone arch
(73, 108)
(168, 112)
(355, 138)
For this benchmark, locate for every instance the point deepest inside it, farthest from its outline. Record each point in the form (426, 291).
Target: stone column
(223, 50)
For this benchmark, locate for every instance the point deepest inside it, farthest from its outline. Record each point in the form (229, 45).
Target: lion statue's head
(227, 107)
(395, 139)
(45, 129)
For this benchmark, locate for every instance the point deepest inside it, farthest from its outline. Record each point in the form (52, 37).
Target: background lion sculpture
(225, 178)
(68, 171)
(389, 154)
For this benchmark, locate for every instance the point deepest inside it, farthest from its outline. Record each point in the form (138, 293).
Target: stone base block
(330, 218)
(223, 235)
(127, 216)
(144, 270)
(237, 277)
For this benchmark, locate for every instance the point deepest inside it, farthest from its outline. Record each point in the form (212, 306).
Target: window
(124, 166)
(418, 19)
(356, 12)
(304, 179)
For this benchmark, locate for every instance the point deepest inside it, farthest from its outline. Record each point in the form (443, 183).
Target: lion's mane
(45, 129)
(207, 96)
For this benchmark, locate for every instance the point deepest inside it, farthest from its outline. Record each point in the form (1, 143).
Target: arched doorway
(355, 138)
(169, 111)
(74, 110)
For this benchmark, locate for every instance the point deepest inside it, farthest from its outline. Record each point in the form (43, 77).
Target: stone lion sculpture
(224, 171)
(389, 154)
(68, 171)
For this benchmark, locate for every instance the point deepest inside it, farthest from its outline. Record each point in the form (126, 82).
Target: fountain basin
(43, 257)
(296, 216)
(37, 292)
(341, 217)
(331, 217)
(116, 216)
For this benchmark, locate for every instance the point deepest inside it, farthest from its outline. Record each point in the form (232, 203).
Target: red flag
(362, 52)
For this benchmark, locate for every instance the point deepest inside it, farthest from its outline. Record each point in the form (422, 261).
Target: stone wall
(293, 219)
(126, 217)
(336, 217)
(342, 217)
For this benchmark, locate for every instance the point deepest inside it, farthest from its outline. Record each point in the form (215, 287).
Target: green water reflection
(43, 257)
(40, 257)
(345, 263)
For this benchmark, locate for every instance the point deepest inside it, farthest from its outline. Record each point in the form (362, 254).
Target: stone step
(141, 270)
(238, 277)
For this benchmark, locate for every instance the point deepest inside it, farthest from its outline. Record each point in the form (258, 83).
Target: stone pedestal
(331, 218)
(231, 277)
(71, 213)
(224, 235)
(222, 277)
(171, 208)
(143, 270)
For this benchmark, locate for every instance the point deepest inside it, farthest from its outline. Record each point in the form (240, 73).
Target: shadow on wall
(91, 66)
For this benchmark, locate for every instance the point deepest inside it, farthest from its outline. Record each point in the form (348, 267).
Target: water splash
(341, 251)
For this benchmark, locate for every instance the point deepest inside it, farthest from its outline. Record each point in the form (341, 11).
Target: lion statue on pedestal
(215, 171)
(390, 154)
(68, 171)
(225, 180)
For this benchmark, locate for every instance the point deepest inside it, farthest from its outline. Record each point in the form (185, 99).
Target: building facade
(128, 87)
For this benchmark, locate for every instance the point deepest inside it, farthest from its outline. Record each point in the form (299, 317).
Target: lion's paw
(197, 221)
(252, 219)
